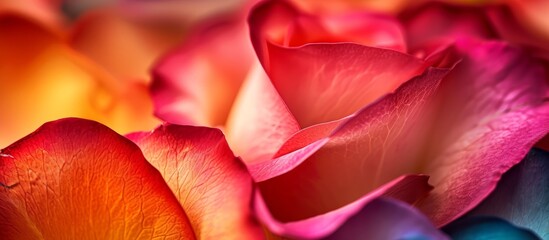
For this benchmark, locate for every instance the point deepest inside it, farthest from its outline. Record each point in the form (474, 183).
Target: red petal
(212, 185)
(81, 173)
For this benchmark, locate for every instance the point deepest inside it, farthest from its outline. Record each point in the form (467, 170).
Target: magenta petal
(493, 110)
(410, 187)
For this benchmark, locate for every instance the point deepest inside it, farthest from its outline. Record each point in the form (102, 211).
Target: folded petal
(522, 195)
(344, 219)
(197, 83)
(311, 64)
(472, 228)
(79, 172)
(212, 185)
(360, 155)
(259, 122)
(43, 79)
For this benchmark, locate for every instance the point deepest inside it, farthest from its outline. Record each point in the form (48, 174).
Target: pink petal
(259, 122)
(309, 77)
(446, 126)
(493, 109)
(197, 83)
(211, 184)
(348, 164)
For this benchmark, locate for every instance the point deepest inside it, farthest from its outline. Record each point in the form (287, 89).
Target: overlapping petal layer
(47, 80)
(211, 184)
(77, 179)
(337, 72)
(447, 131)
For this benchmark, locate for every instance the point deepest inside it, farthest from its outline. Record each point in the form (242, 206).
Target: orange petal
(212, 185)
(77, 179)
(42, 79)
(125, 48)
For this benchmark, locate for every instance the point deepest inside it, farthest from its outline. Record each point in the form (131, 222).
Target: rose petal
(348, 164)
(81, 173)
(44, 11)
(487, 228)
(212, 185)
(484, 104)
(197, 83)
(436, 24)
(259, 122)
(522, 195)
(410, 187)
(42, 79)
(495, 99)
(309, 77)
(386, 218)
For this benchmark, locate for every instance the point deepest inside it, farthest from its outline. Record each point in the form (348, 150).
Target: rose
(75, 146)
(444, 119)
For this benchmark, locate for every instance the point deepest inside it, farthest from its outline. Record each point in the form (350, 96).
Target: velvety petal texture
(522, 195)
(77, 179)
(43, 79)
(488, 228)
(211, 184)
(312, 60)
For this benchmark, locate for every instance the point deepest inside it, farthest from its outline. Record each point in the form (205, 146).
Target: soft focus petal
(197, 83)
(496, 98)
(259, 122)
(386, 218)
(309, 77)
(533, 14)
(330, 6)
(410, 188)
(42, 79)
(126, 49)
(522, 195)
(77, 179)
(363, 153)
(212, 185)
(487, 228)
(436, 24)
(45, 11)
